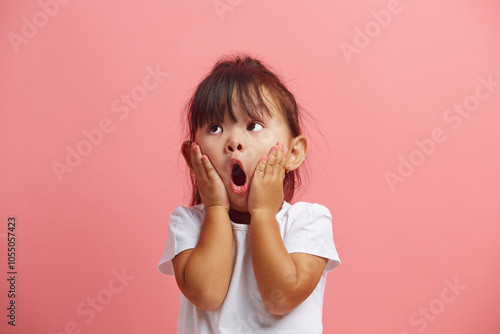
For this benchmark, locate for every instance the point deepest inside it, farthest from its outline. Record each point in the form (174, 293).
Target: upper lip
(234, 161)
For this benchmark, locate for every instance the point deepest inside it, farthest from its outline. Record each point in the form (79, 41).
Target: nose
(234, 144)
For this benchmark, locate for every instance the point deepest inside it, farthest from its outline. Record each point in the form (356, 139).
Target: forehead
(255, 111)
(246, 105)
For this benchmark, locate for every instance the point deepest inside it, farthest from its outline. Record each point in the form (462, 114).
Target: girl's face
(243, 142)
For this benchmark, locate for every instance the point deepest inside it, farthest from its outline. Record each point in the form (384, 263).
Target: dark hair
(240, 80)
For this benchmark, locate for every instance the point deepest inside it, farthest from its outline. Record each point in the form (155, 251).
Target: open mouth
(239, 183)
(238, 175)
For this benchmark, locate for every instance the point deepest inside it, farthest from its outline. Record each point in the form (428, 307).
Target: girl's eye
(213, 128)
(254, 126)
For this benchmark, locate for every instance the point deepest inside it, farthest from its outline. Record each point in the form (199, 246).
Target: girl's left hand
(266, 189)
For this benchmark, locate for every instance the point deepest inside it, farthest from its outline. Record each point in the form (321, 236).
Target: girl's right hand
(210, 186)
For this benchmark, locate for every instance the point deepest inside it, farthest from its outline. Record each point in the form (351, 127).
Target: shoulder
(192, 210)
(187, 215)
(305, 210)
(305, 217)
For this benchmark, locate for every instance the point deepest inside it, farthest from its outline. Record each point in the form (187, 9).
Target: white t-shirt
(304, 228)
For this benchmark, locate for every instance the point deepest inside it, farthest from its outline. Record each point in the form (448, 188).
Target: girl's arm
(285, 280)
(203, 273)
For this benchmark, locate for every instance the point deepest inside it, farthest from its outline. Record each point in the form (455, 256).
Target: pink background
(401, 244)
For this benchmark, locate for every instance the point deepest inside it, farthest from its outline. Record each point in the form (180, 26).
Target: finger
(261, 166)
(193, 161)
(199, 163)
(211, 172)
(272, 156)
(285, 160)
(279, 158)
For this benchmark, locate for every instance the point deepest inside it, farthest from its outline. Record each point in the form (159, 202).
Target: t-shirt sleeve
(183, 231)
(311, 232)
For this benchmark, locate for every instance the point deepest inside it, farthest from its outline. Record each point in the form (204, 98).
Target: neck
(239, 217)
(242, 217)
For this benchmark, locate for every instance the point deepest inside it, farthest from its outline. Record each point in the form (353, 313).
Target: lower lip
(239, 190)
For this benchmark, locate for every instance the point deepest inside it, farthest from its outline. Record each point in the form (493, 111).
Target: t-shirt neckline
(244, 227)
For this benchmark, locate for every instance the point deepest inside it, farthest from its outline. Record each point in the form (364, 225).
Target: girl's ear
(298, 151)
(186, 153)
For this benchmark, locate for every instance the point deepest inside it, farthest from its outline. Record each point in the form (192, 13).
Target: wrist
(216, 208)
(262, 214)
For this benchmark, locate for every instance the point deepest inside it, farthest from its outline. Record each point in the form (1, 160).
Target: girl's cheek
(201, 140)
(262, 137)
(200, 136)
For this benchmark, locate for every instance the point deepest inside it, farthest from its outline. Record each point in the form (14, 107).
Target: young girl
(245, 259)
